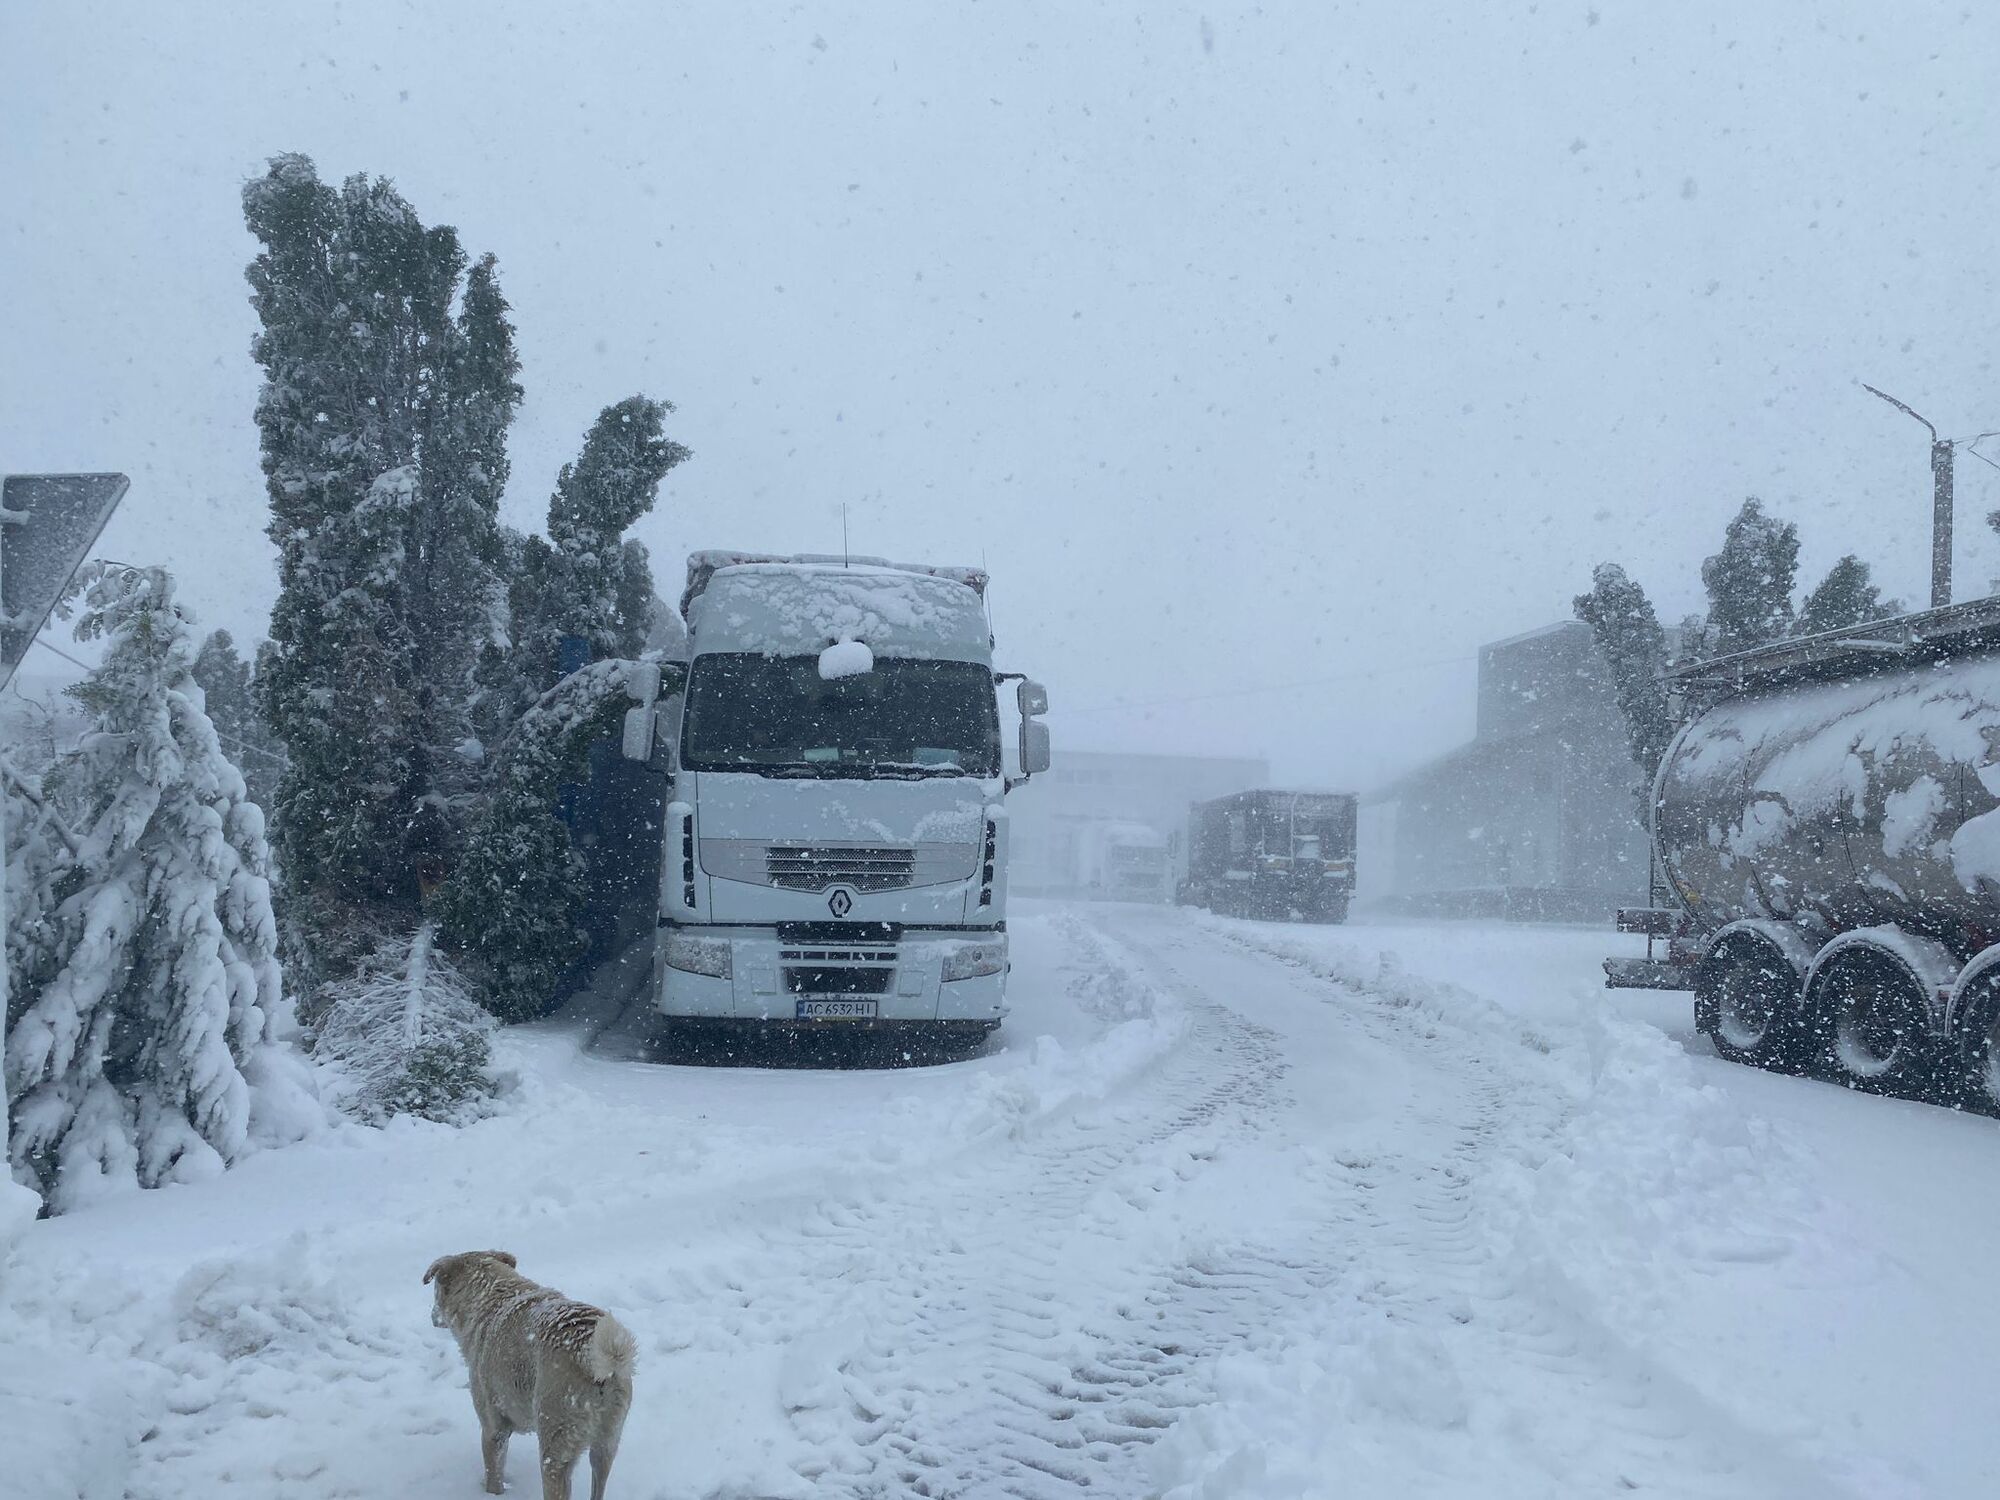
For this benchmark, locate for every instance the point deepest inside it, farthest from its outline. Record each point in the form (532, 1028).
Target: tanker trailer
(1826, 838)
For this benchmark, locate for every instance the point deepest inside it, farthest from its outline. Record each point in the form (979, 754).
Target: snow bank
(1141, 1026)
(70, 1429)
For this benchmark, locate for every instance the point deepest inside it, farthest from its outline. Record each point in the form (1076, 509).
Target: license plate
(842, 1009)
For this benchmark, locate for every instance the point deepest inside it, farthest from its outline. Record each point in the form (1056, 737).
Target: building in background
(1061, 822)
(1538, 817)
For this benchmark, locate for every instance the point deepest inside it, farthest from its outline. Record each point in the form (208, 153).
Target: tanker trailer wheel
(1978, 1036)
(1874, 1023)
(1747, 1001)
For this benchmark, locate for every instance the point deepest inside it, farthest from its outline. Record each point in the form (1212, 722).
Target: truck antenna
(843, 534)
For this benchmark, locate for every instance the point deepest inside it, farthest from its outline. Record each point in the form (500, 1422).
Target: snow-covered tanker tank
(1826, 838)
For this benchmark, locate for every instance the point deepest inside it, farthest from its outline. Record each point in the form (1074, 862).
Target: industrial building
(1538, 817)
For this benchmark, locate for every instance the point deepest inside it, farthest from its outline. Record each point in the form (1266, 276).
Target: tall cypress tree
(458, 597)
(383, 420)
(1628, 633)
(514, 905)
(590, 580)
(1846, 596)
(1749, 581)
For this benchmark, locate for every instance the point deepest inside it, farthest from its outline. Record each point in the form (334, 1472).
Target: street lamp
(1940, 501)
(1942, 453)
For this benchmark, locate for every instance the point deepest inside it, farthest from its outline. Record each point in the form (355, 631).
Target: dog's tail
(611, 1351)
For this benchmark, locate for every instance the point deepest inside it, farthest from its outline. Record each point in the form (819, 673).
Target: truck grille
(814, 867)
(807, 867)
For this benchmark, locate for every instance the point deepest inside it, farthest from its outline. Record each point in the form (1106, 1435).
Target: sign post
(48, 524)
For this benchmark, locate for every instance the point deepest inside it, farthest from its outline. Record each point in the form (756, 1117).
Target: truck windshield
(775, 715)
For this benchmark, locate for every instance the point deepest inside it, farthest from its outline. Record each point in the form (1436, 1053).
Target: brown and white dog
(538, 1363)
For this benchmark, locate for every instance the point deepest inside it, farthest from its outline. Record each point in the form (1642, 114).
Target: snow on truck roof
(705, 564)
(800, 605)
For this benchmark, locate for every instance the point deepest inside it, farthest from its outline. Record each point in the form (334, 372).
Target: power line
(1273, 687)
(75, 661)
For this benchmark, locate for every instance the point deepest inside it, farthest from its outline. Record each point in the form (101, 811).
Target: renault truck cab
(836, 836)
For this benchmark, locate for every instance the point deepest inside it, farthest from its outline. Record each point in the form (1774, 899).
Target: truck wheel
(1875, 1024)
(1746, 1000)
(1978, 1037)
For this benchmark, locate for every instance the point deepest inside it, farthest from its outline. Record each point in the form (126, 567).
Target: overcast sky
(1248, 348)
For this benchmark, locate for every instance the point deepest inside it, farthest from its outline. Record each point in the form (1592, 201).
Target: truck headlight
(698, 955)
(970, 960)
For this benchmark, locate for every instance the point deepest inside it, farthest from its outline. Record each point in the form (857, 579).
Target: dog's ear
(437, 1266)
(505, 1257)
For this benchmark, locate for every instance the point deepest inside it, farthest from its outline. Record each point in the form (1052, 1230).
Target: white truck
(835, 834)
(1126, 861)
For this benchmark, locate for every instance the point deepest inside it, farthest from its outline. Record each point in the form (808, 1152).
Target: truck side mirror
(642, 683)
(642, 686)
(1034, 747)
(637, 743)
(1033, 699)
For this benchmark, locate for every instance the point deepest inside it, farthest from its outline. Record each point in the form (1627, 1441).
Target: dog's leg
(493, 1437)
(557, 1466)
(600, 1468)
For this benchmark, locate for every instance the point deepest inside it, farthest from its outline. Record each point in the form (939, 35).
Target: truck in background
(1826, 843)
(1125, 861)
(836, 831)
(1271, 854)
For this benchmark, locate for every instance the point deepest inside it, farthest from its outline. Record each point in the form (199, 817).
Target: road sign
(48, 523)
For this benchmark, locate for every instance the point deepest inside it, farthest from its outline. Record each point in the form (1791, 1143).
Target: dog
(538, 1363)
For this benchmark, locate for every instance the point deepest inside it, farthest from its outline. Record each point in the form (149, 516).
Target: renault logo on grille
(840, 901)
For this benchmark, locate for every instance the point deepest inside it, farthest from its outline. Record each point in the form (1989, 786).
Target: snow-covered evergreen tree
(1628, 633)
(383, 419)
(228, 686)
(457, 581)
(406, 1033)
(606, 580)
(588, 579)
(41, 869)
(1749, 581)
(149, 1044)
(1846, 596)
(513, 905)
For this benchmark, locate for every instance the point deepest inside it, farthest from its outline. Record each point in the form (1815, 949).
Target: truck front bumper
(767, 977)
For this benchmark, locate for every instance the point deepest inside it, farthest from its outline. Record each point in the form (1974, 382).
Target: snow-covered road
(1232, 1210)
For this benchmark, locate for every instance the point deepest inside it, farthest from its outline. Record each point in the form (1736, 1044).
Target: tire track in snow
(1029, 1327)
(1436, 1255)
(1020, 1339)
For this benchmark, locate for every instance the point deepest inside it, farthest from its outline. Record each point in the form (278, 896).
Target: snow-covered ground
(1229, 1210)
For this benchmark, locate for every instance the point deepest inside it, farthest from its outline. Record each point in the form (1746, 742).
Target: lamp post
(1941, 455)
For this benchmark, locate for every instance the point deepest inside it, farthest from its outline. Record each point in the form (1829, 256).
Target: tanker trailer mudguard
(1836, 800)
(837, 833)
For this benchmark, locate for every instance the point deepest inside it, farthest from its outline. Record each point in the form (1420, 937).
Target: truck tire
(1747, 1003)
(1872, 1024)
(1976, 1035)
